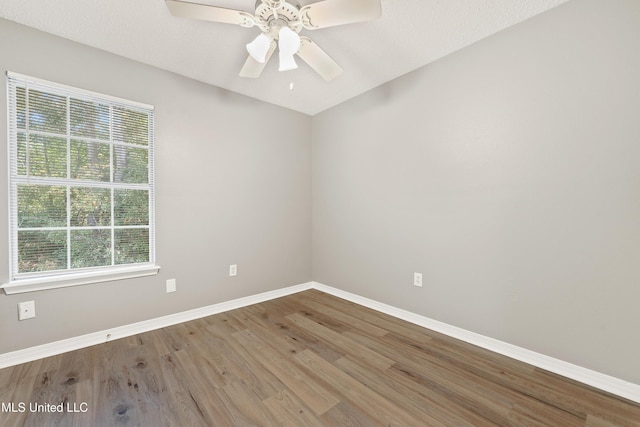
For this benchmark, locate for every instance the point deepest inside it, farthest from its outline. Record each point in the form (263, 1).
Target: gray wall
(508, 174)
(232, 188)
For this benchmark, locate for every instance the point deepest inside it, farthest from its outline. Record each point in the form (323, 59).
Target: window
(81, 186)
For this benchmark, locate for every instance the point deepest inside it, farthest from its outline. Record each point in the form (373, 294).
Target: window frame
(33, 281)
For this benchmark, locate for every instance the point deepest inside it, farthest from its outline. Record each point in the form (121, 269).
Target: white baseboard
(58, 347)
(601, 381)
(595, 379)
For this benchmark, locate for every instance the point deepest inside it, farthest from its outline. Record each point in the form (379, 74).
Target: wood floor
(308, 359)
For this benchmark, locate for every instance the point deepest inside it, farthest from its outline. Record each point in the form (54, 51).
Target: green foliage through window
(81, 184)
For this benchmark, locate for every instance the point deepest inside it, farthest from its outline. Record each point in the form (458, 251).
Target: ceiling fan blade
(206, 12)
(252, 68)
(329, 13)
(318, 59)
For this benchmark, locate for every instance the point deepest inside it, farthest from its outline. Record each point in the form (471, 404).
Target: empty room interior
(433, 220)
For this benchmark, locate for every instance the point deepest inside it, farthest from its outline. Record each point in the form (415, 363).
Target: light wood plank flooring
(308, 359)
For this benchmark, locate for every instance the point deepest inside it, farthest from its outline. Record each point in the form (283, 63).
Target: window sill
(65, 280)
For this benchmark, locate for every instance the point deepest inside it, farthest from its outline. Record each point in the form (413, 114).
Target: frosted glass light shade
(259, 47)
(287, 62)
(289, 44)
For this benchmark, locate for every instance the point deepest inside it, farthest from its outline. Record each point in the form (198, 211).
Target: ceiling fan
(280, 22)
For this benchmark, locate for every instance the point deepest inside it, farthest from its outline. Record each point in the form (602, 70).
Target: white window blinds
(81, 180)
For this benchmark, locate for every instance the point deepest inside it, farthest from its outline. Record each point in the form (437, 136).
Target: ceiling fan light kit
(282, 21)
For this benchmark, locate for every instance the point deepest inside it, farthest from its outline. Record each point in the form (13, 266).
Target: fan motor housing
(278, 13)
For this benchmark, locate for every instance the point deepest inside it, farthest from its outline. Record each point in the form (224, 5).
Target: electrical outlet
(417, 279)
(171, 285)
(26, 310)
(233, 270)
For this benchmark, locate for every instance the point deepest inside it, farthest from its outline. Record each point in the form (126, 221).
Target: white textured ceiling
(410, 34)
